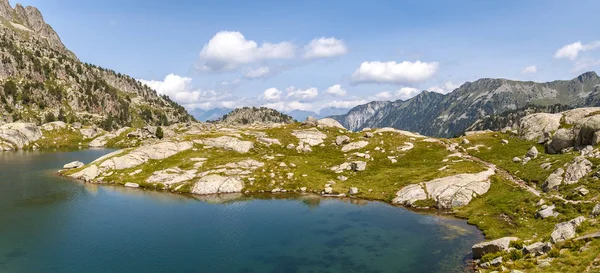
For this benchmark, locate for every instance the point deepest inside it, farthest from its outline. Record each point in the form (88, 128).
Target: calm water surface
(53, 224)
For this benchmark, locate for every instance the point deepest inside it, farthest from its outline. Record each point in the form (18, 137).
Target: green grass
(61, 138)
(503, 154)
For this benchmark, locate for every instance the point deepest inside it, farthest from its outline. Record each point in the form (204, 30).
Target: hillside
(449, 115)
(252, 115)
(42, 81)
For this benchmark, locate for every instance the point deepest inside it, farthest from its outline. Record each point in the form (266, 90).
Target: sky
(307, 55)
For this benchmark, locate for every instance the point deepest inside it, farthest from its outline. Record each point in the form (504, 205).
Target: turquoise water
(53, 224)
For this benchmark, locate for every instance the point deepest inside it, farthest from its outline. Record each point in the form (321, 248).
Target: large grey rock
(132, 185)
(563, 138)
(410, 194)
(142, 154)
(269, 141)
(73, 165)
(55, 125)
(213, 183)
(355, 145)
(494, 246)
(329, 122)
(89, 132)
(20, 134)
(311, 136)
(596, 210)
(577, 169)
(566, 230)
(171, 176)
(103, 139)
(353, 190)
(532, 153)
(310, 121)
(534, 126)
(547, 212)
(447, 192)
(88, 174)
(341, 140)
(358, 166)
(228, 143)
(554, 180)
(537, 249)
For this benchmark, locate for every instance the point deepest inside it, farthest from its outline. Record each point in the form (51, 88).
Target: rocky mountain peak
(588, 76)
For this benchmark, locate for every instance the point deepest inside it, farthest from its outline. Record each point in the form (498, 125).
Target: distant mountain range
(435, 114)
(299, 115)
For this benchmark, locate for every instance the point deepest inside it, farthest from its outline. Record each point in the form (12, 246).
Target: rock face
(447, 192)
(228, 143)
(212, 184)
(535, 126)
(55, 125)
(494, 246)
(253, 115)
(103, 139)
(141, 155)
(17, 135)
(434, 114)
(566, 230)
(563, 139)
(341, 140)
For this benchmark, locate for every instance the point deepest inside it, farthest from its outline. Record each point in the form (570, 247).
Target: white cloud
(302, 95)
(407, 92)
(336, 90)
(403, 93)
(260, 72)
(324, 48)
(571, 51)
(272, 94)
(345, 103)
(394, 73)
(585, 64)
(445, 88)
(178, 89)
(529, 70)
(227, 50)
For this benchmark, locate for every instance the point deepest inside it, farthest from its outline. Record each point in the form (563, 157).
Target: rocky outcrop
(578, 168)
(228, 143)
(88, 174)
(566, 230)
(494, 246)
(17, 135)
(254, 115)
(55, 125)
(354, 146)
(73, 165)
(537, 126)
(102, 140)
(447, 192)
(212, 184)
(171, 176)
(537, 249)
(330, 123)
(311, 136)
(141, 155)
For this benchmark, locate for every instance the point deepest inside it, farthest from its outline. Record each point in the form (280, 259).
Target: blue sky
(289, 54)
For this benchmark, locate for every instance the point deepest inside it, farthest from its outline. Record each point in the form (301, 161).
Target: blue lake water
(53, 224)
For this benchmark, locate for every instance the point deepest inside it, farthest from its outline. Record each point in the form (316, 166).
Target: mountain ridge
(448, 115)
(41, 81)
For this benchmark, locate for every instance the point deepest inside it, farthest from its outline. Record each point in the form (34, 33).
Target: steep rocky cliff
(448, 115)
(41, 81)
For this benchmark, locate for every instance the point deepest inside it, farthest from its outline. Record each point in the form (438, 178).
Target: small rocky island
(531, 189)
